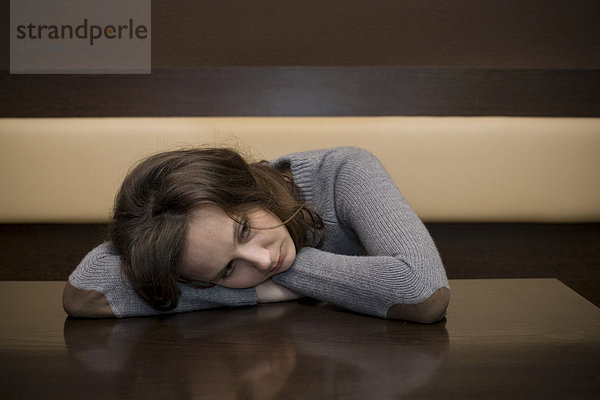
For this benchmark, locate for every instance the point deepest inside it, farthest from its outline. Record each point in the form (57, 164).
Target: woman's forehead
(210, 236)
(207, 212)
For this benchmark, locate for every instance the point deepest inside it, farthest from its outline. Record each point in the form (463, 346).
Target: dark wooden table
(513, 338)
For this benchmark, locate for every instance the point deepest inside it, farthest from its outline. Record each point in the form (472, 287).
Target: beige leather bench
(450, 169)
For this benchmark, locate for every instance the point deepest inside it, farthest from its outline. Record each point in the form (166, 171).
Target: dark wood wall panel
(540, 34)
(306, 91)
(557, 34)
(338, 57)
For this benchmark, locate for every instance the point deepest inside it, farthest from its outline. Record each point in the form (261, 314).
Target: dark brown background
(339, 57)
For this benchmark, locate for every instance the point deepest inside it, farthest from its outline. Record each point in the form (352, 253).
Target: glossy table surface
(512, 338)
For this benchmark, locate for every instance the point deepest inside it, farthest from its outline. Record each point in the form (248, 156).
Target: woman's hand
(270, 292)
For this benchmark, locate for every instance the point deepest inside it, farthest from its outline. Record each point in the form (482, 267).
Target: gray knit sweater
(377, 252)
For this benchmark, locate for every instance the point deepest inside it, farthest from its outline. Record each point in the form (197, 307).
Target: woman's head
(223, 251)
(165, 194)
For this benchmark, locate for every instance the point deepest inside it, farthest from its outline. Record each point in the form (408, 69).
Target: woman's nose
(258, 257)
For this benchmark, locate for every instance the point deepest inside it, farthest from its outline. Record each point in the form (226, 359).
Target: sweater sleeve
(100, 270)
(401, 265)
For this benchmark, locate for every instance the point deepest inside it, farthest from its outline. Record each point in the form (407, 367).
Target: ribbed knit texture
(100, 270)
(377, 253)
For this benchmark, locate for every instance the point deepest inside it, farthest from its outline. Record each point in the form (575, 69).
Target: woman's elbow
(79, 303)
(431, 310)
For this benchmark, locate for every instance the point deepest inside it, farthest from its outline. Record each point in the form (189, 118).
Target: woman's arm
(271, 292)
(97, 288)
(401, 276)
(81, 303)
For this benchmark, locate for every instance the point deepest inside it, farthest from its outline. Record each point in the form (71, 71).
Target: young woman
(203, 228)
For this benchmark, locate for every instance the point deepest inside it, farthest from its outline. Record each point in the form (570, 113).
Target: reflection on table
(277, 351)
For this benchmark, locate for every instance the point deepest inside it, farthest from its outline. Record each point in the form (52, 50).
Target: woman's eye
(244, 229)
(228, 270)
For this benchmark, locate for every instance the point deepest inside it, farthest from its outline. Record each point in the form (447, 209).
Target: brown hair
(150, 219)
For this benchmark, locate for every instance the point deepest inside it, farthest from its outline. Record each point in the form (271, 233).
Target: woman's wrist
(271, 292)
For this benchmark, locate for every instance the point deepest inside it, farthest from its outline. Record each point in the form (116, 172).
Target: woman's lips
(279, 262)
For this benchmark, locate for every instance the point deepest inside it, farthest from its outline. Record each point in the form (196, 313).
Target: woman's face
(222, 251)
